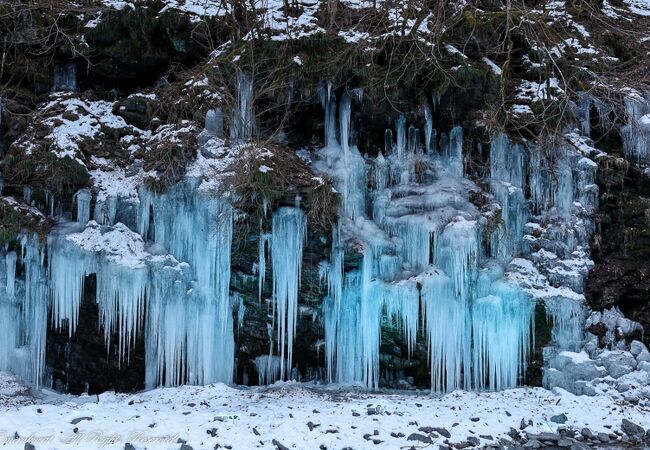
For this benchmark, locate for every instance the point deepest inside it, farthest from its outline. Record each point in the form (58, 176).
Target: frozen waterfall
(423, 262)
(419, 249)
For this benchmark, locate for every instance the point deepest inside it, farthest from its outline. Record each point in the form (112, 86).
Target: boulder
(544, 436)
(636, 347)
(570, 371)
(632, 429)
(617, 363)
(419, 438)
(644, 356)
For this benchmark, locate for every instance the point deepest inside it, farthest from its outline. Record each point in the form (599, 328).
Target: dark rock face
(82, 363)
(621, 245)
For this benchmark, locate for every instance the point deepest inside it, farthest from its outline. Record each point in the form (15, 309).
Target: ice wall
(419, 248)
(196, 228)
(424, 266)
(172, 291)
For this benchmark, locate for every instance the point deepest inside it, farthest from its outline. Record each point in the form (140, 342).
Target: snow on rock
(201, 8)
(117, 243)
(79, 121)
(115, 183)
(535, 92)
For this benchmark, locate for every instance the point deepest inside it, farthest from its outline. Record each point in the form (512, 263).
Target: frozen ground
(293, 415)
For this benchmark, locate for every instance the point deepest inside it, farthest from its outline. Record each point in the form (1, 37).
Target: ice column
(636, 134)
(268, 369)
(455, 151)
(263, 248)
(10, 263)
(448, 332)
(214, 121)
(30, 358)
(192, 337)
(65, 77)
(352, 327)
(243, 125)
(83, 198)
(501, 331)
(428, 128)
(328, 101)
(401, 136)
(287, 242)
(507, 183)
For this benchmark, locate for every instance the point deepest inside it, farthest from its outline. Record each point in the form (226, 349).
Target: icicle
(502, 325)
(415, 239)
(27, 194)
(636, 134)
(586, 189)
(370, 323)
(457, 255)
(428, 128)
(507, 183)
(10, 263)
(68, 269)
(402, 303)
(65, 77)
(352, 328)
(190, 331)
(584, 113)
(105, 210)
(388, 142)
(344, 122)
(10, 318)
(568, 316)
(455, 151)
(30, 361)
(347, 166)
(330, 119)
(243, 125)
(413, 138)
(238, 300)
(50, 202)
(401, 136)
(435, 101)
(287, 241)
(121, 305)
(144, 211)
(268, 369)
(264, 243)
(332, 304)
(448, 333)
(214, 121)
(83, 198)
(564, 176)
(381, 173)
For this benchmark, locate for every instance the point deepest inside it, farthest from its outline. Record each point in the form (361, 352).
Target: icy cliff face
(428, 248)
(461, 274)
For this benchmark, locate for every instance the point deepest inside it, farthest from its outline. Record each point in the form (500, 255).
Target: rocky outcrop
(621, 246)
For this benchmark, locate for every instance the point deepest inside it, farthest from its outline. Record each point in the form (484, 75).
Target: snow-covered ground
(295, 416)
